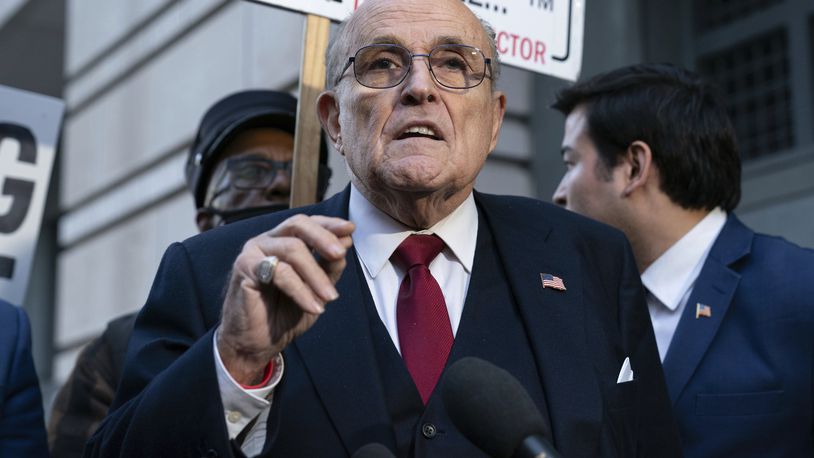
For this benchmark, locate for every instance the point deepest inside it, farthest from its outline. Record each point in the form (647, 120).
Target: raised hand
(260, 319)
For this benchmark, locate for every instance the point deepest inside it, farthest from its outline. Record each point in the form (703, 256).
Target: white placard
(29, 127)
(544, 36)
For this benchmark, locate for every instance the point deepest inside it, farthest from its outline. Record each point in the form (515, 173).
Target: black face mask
(230, 216)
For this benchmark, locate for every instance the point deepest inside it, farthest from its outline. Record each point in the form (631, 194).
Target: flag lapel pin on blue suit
(702, 310)
(552, 281)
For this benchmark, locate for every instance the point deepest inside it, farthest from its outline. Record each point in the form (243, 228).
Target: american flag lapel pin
(552, 281)
(702, 310)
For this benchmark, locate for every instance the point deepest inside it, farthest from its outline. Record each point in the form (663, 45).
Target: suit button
(428, 430)
(211, 453)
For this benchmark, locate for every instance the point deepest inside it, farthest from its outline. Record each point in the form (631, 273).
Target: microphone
(374, 450)
(493, 410)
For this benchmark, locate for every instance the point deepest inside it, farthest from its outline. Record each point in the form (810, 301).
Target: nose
(280, 186)
(419, 86)
(559, 194)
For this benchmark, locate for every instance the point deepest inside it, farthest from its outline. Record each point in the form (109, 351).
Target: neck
(658, 229)
(415, 210)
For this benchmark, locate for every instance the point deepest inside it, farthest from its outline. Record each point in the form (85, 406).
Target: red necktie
(425, 334)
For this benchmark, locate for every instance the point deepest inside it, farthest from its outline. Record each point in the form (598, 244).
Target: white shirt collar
(675, 271)
(377, 235)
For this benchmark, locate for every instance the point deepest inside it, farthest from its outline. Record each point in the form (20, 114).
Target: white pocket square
(626, 374)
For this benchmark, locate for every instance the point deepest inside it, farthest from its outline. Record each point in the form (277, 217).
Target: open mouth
(419, 132)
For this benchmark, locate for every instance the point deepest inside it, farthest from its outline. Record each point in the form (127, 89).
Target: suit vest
(491, 328)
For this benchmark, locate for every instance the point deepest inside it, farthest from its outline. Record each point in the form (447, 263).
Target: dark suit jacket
(22, 430)
(741, 381)
(330, 402)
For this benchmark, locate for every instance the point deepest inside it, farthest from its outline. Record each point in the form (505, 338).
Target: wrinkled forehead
(419, 25)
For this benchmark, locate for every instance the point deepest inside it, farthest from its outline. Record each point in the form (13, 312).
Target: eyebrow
(250, 155)
(566, 149)
(448, 40)
(385, 39)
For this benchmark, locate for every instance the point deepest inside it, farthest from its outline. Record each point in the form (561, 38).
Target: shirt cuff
(240, 405)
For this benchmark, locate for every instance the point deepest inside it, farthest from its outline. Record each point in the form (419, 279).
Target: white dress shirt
(670, 279)
(376, 237)
(242, 406)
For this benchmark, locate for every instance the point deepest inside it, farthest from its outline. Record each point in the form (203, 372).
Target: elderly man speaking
(316, 331)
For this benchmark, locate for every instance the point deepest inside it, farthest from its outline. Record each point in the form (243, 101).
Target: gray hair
(339, 50)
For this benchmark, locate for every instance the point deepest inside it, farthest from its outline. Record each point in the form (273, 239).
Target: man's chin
(414, 181)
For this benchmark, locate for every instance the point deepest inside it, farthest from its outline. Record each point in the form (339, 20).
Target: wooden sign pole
(307, 138)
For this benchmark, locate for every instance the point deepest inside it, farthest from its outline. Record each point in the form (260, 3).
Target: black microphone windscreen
(374, 450)
(490, 407)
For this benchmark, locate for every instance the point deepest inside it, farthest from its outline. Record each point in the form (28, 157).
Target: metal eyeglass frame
(276, 167)
(351, 60)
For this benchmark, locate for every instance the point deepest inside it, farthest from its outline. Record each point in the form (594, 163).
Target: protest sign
(29, 127)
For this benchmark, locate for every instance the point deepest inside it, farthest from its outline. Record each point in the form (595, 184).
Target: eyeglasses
(382, 66)
(254, 172)
(250, 173)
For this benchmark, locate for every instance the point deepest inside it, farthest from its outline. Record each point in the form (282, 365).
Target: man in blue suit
(318, 330)
(22, 429)
(650, 149)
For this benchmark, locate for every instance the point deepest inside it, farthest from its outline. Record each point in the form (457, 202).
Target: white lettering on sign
(544, 36)
(29, 125)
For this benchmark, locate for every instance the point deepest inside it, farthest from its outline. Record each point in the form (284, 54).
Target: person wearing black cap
(240, 162)
(239, 166)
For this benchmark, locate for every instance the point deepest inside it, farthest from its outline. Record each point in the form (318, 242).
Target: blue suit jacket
(741, 381)
(22, 429)
(331, 402)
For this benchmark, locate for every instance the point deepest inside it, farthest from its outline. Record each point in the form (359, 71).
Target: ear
(498, 111)
(639, 167)
(328, 112)
(204, 219)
